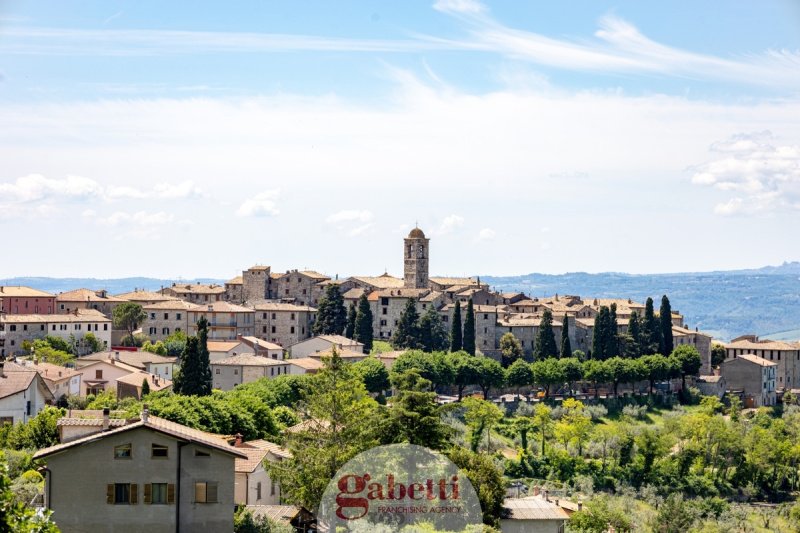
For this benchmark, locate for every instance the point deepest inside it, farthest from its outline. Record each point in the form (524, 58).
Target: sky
(195, 139)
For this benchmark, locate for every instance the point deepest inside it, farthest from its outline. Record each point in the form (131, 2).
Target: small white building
(305, 365)
(264, 348)
(218, 350)
(254, 486)
(245, 368)
(323, 343)
(60, 380)
(152, 363)
(23, 393)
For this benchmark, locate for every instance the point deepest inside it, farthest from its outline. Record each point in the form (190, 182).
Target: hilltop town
(122, 368)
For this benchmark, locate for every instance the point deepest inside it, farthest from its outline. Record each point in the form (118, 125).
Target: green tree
(548, 372)
(687, 360)
(159, 348)
(599, 515)
(128, 316)
(17, 517)
(657, 368)
(575, 425)
(572, 369)
(414, 415)
(546, 339)
(350, 328)
(618, 371)
(331, 313)
(245, 522)
(486, 478)
(467, 369)
(543, 421)
(468, 342)
(187, 381)
(491, 375)
(481, 416)
(343, 422)
(433, 335)
(600, 333)
(633, 341)
(510, 349)
(363, 324)
(718, 354)
(145, 388)
(596, 372)
(665, 318)
(519, 374)
(651, 329)
(435, 367)
(566, 345)
(373, 373)
(612, 332)
(675, 515)
(407, 334)
(175, 343)
(203, 358)
(456, 337)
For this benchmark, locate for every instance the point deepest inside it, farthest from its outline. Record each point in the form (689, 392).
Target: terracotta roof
(169, 305)
(248, 359)
(533, 508)
(314, 275)
(154, 423)
(51, 372)
(277, 513)
(259, 267)
(119, 364)
(222, 346)
(261, 343)
(450, 282)
(765, 344)
(339, 340)
(145, 296)
(15, 379)
(256, 451)
(344, 353)
(197, 288)
(137, 378)
(219, 307)
(90, 422)
(306, 363)
(752, 359)
(279, 306)
(80, 315)
(19, 291)
(309, 425)
(391, 355)
(238, 280)
(136, 359)
(353, 294)
(86, 295)
(380, 282)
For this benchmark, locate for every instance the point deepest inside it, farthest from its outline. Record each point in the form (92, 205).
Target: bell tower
(416, 253)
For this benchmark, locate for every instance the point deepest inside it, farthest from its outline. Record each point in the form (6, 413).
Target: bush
(636, 412)
(596, 411)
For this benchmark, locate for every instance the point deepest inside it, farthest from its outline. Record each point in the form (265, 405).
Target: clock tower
(416, 253)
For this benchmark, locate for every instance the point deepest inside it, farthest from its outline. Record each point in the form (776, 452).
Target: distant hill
(727, 304)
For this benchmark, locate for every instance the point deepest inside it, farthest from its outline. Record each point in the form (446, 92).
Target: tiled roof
(277, 513)
(15, 379)
(403, 293)
(137, 378)
(256, 451)
(306, 363)
(154, 423)
(380, 282)
(79, 315)
(453, 281)
(90, 422)
(86, 295)
(390, 355)
(280, 306)
(344, 353)
(238, 280)
(119, 364)
(222, 346)
(19, 291)
(137, 359)
(51, 372)
(219, 307)
(197, 288)
(752, 359)
(314, 275)
(353, 294)
(533, 508)
(339, 340)
(765, 344)
(261, 343)
(248, 359)
(172, 304)
(145, 296)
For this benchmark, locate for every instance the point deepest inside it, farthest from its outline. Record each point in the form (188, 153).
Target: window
(216, 371)
(272, 488)
(105, 327)
(486, 316)
(384, 301)
(273, 316)
(152, 316)
(273, 329)
(123, 451)
(205, 492)
(122, 493)
(291, 329)
(159, 493)
(258, 490)
(385, 311)
(235, 371)
(291, 316)
(201, 453)
(98, 374)
(177, 317)
(159, 450)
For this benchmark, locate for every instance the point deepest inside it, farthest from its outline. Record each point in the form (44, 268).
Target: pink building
(26, 301)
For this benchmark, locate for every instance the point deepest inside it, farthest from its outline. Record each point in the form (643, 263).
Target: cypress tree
(546, 339)
(350, 328)
(665, 316)
(651, 331)
(468, 343)
(456, 340)
(145, 388)
(611, 331)
(433, 336)
(407, 333)
(363, 324)
(331, 314)
(633, 346)
(186, 381)
(203, 359)
(566, 346)
(599, 334)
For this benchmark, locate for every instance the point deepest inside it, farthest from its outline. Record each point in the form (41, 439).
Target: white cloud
(449, 225)
(138, 218)
(35, 187)
(763, 175)
(363, 229)
(186, 189)
(486, 234)
(350, 215)
(469, 7)
(263, 204)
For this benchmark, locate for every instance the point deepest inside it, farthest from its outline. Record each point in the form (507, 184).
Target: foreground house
(23, 393)
(534, 514)
(254, 486)
(150, 475)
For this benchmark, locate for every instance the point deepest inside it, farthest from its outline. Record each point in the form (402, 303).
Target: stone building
(25, 300)
(387, 306)
(785, 355)
(256, 284)
(234, 290)
(415, 264)
(283, 323)
(68, 302)
(245, 368)
(226, 321)
(699, 340)
(15, 329)
(302, 287)
(165, 318)
(197, 293)
(753, 375)
(487, 339)
(143, 297)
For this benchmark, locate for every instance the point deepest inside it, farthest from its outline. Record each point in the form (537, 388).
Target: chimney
(536, 491)
(116, 355)
(106, 418)
(145, 413)
(238, 442)
(580, 505)
(546, 496)
(2, 369)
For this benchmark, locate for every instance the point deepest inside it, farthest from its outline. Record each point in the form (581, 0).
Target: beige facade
(150, 476)
(15, 329)
(165, 318)
(130, 385)
(284, 324)
(245, 368)
(303, 288)
(702, 342)
(226, 321)
(68, 302)
(100, 376)
(144, 297)
(158, 365)
(23, 393)
(197, 293)
(322, 343)
(785, 355)
(753, 375)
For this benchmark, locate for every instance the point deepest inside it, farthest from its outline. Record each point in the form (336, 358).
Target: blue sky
(195, 139)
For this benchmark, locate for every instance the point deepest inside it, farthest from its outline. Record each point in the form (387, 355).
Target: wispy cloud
(486, 234)
(450, 224)
(763, 175)
(263, 204)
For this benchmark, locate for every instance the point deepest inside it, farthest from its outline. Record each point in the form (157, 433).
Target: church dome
(416, 233)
